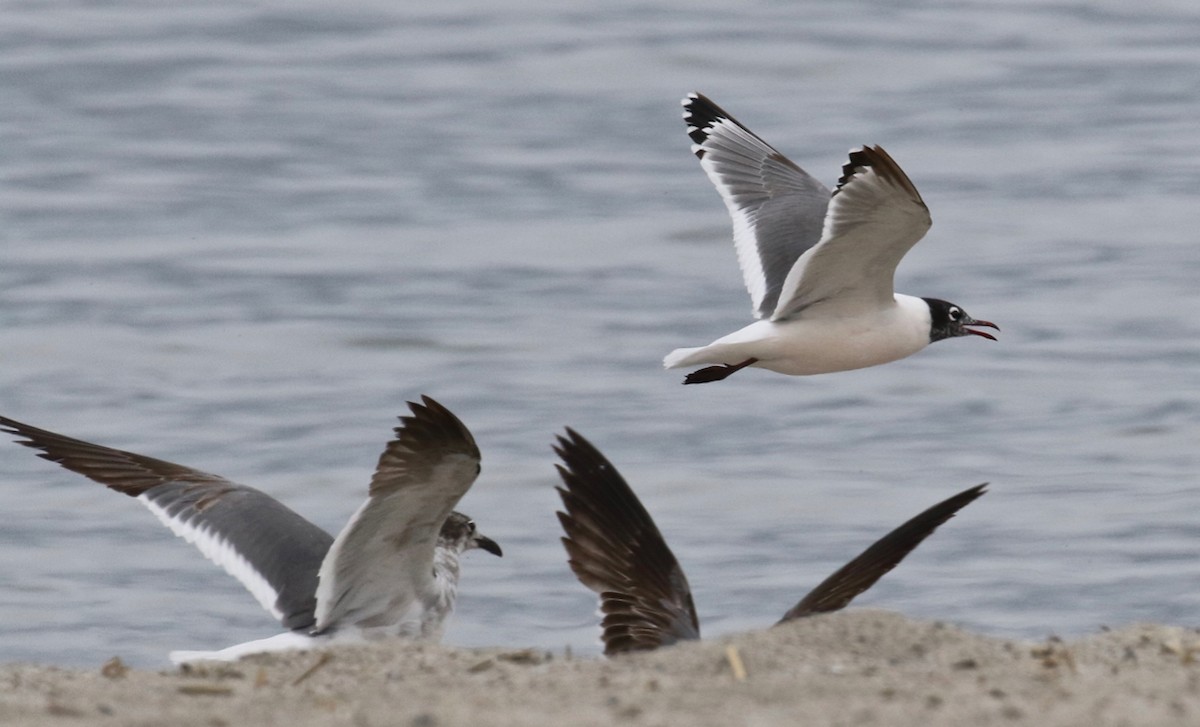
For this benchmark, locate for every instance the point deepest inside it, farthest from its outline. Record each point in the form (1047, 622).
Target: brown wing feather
(126, 472)
(423, 440)
(616, 550)
(838, 590)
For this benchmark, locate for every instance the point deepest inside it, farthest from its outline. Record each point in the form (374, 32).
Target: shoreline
(862, 667)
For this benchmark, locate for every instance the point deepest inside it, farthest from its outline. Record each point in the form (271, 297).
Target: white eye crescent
(956, 313)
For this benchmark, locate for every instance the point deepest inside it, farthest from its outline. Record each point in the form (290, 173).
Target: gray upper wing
(616, 550)
(271, 550)
(778, 209)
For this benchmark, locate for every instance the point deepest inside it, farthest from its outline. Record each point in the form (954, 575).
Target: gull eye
(956, 313)
(471, 527)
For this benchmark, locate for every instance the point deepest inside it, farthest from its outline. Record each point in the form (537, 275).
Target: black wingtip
(877, 159)
(701, 114)
(699, 111)
(859, 159)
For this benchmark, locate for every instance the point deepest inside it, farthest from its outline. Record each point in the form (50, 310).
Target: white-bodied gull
(392, 570)
(819, 266)
(615, 549)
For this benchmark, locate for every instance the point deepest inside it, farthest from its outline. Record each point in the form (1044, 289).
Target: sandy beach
(854, 668)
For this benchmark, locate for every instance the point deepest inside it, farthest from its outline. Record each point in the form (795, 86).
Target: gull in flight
(818, 265)
(392, 570)
(615, 549)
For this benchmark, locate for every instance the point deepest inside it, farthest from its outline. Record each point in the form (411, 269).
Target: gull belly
(820, 343)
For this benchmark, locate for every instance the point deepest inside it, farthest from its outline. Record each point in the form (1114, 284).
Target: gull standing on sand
(392, 571)
(819, 266)
(616, 550)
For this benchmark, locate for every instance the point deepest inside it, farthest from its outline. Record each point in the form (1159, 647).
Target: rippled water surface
(240, 235)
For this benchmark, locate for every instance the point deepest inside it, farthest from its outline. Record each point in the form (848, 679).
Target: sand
(856, 668)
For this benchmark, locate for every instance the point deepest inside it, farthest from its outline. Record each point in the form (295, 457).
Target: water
(239, 236)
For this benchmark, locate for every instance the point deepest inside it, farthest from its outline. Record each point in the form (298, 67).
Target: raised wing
(615, 549)
(778, 210)
(875, 216)
(381, 564)
(270, 549)
(838, 590)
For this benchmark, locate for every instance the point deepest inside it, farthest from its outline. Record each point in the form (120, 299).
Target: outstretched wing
(838, 590)
(270, 549)
(778, 209)
(615, 549)
(382, 561)
(875, 216)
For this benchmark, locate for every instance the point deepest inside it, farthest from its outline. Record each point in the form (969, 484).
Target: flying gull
(819, 266)
(615, 549)
(392, 570)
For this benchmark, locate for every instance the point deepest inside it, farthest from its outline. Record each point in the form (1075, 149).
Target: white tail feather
(682, 357)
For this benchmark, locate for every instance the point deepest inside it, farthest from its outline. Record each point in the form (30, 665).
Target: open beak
(985, 324)
(485, 543)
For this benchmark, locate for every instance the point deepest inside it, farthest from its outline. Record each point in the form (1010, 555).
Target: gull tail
(726, 360)
(287, 641)
(681, 357)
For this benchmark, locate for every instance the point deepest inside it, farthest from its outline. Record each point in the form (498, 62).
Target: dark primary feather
(288, 548)
(838, 590)
(616, 550)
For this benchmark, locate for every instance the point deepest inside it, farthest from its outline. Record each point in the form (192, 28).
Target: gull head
(951, 321)
(458, 534)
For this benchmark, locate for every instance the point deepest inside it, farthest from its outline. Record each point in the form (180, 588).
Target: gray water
(239, 236)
